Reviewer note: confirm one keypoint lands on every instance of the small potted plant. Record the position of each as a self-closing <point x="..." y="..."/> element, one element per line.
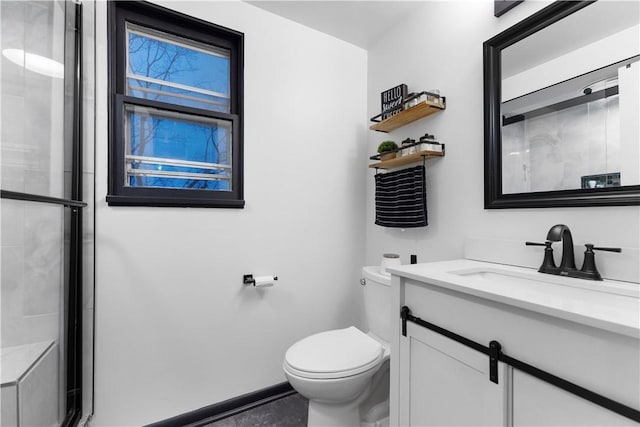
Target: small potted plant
<point x="387" y="150"/>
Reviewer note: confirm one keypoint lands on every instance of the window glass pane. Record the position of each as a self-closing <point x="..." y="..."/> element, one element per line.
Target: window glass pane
<point x="167" y="68"/>
<point x="174" y="150"/>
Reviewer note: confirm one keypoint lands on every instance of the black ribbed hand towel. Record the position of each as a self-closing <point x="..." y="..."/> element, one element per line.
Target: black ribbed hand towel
<point x="401" y="198"/>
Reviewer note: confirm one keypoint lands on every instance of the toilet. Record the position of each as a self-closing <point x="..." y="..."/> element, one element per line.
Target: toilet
<point x="345" y="372"/>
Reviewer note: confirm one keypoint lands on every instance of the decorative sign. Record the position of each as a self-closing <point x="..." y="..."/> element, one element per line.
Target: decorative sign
<point x="392" y="100"/>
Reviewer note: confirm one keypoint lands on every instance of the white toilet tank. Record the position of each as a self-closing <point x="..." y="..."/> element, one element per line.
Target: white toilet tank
<point x="377" y="301"/>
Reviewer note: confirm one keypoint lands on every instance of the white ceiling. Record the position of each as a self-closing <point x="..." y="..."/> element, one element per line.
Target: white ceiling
<point x="356" y="22"/>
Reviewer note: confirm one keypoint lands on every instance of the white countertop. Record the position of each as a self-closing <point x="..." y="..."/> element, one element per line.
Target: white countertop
<point x="610" y="305"/>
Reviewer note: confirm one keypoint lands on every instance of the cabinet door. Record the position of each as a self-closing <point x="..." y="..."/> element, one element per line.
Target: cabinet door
<point x="445" y="383"/>
<point x="538" y="403"/>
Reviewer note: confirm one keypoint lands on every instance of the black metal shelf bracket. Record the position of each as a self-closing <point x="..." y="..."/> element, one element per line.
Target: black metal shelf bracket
<point x="494" y="351"/>
<point x="378" y="118"/>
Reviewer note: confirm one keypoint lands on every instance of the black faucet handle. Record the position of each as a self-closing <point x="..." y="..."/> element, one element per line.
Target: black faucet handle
<point x="548" y="264"/>
<point x="547" y="243"/>
<point x="603" y="249"/>
<point x="589" y="265"/>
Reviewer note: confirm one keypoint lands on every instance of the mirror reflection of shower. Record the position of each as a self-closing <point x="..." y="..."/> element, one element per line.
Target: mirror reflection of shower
<point x="568" y="135"/>
<point x="570" y="103"/>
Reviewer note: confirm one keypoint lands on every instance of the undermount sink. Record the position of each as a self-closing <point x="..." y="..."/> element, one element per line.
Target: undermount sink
<point x="500" y="276"/>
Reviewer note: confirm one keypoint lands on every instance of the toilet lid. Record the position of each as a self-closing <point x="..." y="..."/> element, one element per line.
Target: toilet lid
<point x="334" y="354"/>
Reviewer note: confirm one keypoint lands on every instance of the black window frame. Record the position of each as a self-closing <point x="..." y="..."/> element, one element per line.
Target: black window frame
<point x="158" y="18"/>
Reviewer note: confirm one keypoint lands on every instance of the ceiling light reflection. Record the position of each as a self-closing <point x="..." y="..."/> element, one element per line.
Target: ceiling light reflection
<point x="36" y="63"/>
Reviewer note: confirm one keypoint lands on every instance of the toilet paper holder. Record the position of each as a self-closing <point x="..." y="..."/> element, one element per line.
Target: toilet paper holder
<point x="248" y="279"/>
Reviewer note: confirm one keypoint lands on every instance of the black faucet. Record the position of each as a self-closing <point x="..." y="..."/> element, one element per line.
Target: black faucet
<point x="561" y="232"/>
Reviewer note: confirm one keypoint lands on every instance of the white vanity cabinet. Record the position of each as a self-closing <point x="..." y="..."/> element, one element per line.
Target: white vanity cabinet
<point x="437" y="381"/>
<point x="537" y="403"/>
<point x="432" y="365"/>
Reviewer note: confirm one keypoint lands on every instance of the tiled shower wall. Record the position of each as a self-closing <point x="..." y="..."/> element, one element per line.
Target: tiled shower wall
<point x="553" y="151"/>
<point x="32" y="162"/>
<point x="32" y="254"/>
<point x="33" y="234"/>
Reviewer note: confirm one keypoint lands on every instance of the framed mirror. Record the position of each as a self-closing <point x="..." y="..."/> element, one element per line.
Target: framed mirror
<point x="562" y="108"/>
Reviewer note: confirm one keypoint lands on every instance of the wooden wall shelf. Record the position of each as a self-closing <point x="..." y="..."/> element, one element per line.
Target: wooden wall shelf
<point x="418" y="111"/>
<point x="406" y="160"/>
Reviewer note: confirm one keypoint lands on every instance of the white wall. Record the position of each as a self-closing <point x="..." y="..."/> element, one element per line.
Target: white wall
<point x="175" y="328"/>
<point x="440" y="46"/>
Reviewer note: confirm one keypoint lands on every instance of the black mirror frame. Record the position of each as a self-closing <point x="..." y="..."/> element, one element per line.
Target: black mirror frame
<point x="493" y="196"/>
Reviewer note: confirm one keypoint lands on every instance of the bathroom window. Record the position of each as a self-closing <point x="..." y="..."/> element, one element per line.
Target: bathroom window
<point x="176" y="109"/>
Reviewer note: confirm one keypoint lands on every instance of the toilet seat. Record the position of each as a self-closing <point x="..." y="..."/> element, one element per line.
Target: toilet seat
<point x="333" y="354"/>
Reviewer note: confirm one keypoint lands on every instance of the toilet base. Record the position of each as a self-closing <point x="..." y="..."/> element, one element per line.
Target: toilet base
<point x="329" y="415"/>
<point x="370" y="409"/>
<point x="326" y="415"/>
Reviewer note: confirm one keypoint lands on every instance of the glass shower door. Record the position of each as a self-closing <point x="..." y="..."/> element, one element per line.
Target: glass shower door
<point x="40" y="212"/>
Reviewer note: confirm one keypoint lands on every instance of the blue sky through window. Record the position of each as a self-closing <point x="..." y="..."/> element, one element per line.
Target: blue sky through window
<point x="177" y="146"/>
<point x="171" y="70"/>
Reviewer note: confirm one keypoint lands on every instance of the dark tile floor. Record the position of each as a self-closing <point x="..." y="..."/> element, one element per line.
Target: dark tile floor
<point x="290" y="411"/>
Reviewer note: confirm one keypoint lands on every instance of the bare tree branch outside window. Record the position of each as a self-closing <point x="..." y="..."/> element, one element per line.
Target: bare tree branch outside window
<point x="169" y="72"/>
